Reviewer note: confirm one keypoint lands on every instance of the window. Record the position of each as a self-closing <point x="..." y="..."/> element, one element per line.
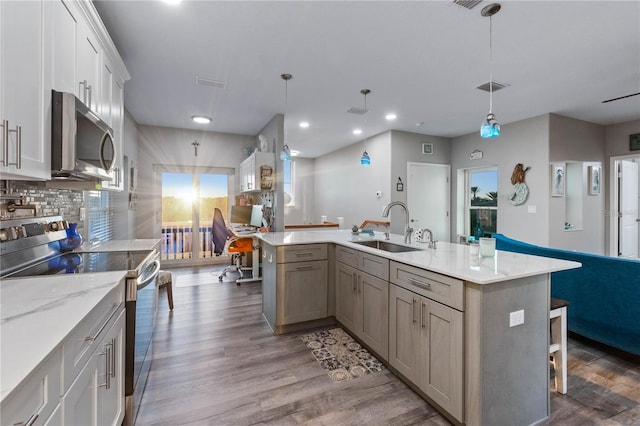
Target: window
<point x="287" y="182"/>
<point x="482" y="201"/>
<point x="99" y="217"/>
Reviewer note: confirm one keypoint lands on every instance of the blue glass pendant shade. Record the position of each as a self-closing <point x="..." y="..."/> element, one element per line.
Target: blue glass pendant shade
<point x="365" y="160"/>
<point x="285" y="154"/>
<point x="490" y="127"/>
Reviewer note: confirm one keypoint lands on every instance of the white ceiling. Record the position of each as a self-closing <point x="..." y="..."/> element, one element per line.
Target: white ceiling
<point x="421" y="59"/>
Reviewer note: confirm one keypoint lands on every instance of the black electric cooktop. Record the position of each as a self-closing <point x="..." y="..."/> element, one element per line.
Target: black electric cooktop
<point x="78" y="263"/>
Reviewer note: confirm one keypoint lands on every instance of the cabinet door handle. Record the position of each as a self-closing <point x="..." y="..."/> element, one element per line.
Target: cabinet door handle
<point x="89" y="90"/>
<point x="423" y="285"/>
<point x="107" y="363"/>
<point x="114" y="354"/>
<point x="29" y="422"/>
<point x="422" y="314"/>
<point x="354" y="281"/>
<point x="413" y="311"/>
<point x="5" y="143"/>
<point x="18" y="132"/>
<point x="82" y="89"/>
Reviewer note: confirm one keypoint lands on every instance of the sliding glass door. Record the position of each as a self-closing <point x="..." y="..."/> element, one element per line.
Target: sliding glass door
<point x="189" y="196"/>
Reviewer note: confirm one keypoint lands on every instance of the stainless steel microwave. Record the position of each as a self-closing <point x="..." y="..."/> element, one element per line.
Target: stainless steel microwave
<point x="82" y="146"/>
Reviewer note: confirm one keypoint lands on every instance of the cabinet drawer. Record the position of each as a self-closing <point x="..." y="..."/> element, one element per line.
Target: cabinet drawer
<point x="440" y="288"/>
<point x="38" y="396"/>
<point x="302" y="253"/>
<point x="374" y="265"/>
<point x="347" y="256"/>
<point x="80" y="344"/>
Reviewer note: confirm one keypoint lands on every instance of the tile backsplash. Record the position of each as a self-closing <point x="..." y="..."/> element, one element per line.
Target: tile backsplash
<point x="46" y="201"/>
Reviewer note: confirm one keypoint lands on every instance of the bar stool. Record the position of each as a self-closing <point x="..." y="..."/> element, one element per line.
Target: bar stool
<point x="165" y="279"/>
<point x="558" y="344"/>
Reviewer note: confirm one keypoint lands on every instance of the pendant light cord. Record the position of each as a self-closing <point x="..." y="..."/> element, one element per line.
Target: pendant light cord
<point x="490" y="64"/>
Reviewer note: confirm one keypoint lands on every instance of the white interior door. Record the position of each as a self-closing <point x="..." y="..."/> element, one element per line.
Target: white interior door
<point x="629" y="215"/>
<point x="428" y="198"/>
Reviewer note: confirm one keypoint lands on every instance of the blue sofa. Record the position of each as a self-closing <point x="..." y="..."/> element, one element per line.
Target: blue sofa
<point x="604" y="294"/>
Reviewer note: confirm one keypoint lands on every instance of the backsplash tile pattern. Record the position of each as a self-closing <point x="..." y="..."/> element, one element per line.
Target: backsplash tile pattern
<point x="47" y="201"/>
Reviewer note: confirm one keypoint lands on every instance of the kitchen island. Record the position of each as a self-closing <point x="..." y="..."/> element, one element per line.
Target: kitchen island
<point x="469" y="334"/>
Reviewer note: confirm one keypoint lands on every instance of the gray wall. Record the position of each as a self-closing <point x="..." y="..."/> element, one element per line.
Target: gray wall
<point x="405" y="147"/>
<point x="168" y="146"/>
<point x="525" y="142"/>
<point x="345" y="188"/>
<point x="304" y="210"/>
<point x="583" y="143"/>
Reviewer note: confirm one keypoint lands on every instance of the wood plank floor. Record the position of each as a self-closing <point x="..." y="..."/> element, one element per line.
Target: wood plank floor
<point x="216" y="362"/>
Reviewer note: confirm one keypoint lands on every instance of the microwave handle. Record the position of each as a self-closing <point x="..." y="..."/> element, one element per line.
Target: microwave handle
<point x="103" y="141"/>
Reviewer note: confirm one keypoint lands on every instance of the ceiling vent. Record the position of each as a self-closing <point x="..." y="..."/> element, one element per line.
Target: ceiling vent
<point x="467" y="4"/>
<point x="357" y="110"/>
<point x="210" y="82"/>
<point x="496" y="86"/>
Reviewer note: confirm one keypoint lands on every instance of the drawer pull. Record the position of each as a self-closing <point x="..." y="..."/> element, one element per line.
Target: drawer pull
<point x="304" y="267"/>
<point x="95" y="336"/>
<point x="423" y="285"/>
<point x="304" y="253"/>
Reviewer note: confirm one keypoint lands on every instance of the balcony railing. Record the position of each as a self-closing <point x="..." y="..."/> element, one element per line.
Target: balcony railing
<point x="177" y="242"/>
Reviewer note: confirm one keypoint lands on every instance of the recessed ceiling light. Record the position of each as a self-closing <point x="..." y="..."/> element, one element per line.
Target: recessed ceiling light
<point x="390" y="116"/>
<point x="294" y="153"/>
<point x="357" y="132"/>
<point x="420" y="123"/>
<point x="201" y="119"/>
<point x="304" y="124"/>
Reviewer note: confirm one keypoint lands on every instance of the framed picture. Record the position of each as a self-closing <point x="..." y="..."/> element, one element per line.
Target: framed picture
<point x="595" y="176"/>
<point x="427" y="148"/>
<point x="558" y="179"/>
<point x="634" y="142"/>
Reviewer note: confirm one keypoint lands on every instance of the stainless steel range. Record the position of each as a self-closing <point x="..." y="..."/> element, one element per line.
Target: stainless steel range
<point x="29" y="247"/>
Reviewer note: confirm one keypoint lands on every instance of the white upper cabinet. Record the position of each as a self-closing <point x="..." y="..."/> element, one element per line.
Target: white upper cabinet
<point x="25" y="148"/>
<point x="88" y="67"/>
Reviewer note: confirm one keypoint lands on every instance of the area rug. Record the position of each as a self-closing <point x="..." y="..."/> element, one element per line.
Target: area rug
<point x="341" y="357"/>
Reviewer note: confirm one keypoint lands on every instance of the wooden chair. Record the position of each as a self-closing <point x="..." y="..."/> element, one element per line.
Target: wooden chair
<point x="165" y="279"/>
<point x="558" y="344"/>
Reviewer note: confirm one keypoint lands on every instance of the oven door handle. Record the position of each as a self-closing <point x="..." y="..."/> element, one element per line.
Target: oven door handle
<point x="142" y="282"/>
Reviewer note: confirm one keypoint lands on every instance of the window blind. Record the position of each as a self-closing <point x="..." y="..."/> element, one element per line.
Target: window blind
<point x="100" y="223"/>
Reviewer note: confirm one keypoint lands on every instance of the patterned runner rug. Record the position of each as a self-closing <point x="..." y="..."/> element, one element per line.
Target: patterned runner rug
<point x="341" y="357"/>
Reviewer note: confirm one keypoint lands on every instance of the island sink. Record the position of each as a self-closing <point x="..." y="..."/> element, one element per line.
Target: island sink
<point x="386" y="246"/>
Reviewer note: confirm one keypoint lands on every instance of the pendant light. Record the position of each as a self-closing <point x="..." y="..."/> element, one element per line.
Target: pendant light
<point x="285" y="154"/>
<point x="490" y="127"/>
<point x="365" y="160"/>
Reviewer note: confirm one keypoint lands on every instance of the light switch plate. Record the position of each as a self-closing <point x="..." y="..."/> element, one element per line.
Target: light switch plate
<point x="531" y="209"/>
<point x="516" y="318"/>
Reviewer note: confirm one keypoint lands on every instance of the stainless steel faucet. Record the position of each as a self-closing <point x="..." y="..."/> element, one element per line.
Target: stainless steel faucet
<point x="407" y="229"/>
<point x="432" y="243"/>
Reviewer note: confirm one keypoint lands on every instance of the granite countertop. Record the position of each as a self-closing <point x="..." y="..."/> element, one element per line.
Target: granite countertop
<point x="449" y="259"/>
<point x="38" y="313"/>
<point x="121" y="245"/>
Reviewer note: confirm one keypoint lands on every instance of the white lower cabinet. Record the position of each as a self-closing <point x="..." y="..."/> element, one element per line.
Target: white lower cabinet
<point x="426" y="346"/>
<point x="362" y="299"/>
<point x="96" y="397"/>
<point x="38" y="398"/>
